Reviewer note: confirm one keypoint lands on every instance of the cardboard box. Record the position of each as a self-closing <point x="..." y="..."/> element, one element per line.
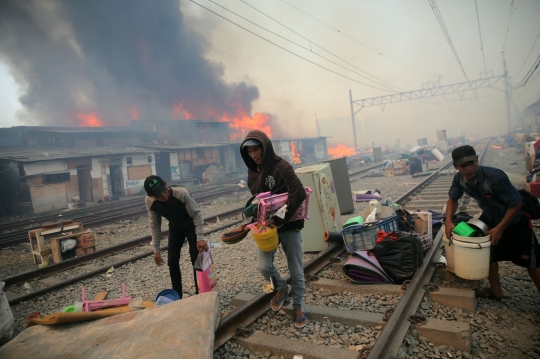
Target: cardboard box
<point x="389" y="172"/>
<point x="423" y="222"/>
<point x="86" y="240"/>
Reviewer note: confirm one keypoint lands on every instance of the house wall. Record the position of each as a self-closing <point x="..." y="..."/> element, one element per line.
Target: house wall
<point x="139" y="170"/>
<point x="9" y="187"/>
<point x="175" y="170"/>
<point x="47" y="197"/>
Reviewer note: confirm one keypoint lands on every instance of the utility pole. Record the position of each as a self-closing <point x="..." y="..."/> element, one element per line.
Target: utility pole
<point x="507" y="93"/>
<point x="353" y="124"/>
<point x="318" y="128"/>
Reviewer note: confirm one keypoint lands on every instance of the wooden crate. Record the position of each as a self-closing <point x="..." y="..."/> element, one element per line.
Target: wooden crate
<point x="45" y="242"/>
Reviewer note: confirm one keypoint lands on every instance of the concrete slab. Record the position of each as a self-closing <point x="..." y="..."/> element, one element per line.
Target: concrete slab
<point x="146" y="248"/>
<point x="182" y="329"/>
<point x="50" y="281"/>
<point x="287" y="348"/>
<point x="463" y="299"/>
<point x="439" y="332"/>
<point x="89" y="267"/>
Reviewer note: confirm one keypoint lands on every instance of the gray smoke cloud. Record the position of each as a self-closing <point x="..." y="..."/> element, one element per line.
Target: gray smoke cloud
<point x="113" y="58"/>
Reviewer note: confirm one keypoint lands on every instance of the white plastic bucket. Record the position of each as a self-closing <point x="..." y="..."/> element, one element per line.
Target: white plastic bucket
<point x="471" y="239"/>
<point x="471" y="260"/>
<point x="449" y="253"/>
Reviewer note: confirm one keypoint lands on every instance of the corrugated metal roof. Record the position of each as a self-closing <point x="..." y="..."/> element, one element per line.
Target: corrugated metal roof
<point x="50" y="154"/>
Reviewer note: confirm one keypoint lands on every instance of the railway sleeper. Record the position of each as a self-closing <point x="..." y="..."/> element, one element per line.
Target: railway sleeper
<point x="440" y="332"/>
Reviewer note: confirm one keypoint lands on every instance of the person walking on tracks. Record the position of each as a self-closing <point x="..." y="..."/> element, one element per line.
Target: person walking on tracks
<point x="512" y="237"/>
<point x="268" y="172"/>
<point x="185" y="222"/>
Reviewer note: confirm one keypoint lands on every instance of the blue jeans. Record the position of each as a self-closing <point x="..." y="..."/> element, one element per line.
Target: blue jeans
<point x="291" y="243"/>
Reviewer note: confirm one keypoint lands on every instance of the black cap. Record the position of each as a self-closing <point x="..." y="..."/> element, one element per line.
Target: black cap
<point x="251" y="142"/>
<point x="154" y="186"/>
<point x="464" y="154"/>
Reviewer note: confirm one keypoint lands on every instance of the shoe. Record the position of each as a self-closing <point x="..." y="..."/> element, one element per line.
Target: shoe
<point x="487" y="293"/>
<point x="297" y="321"/>
<point x="279" y="302"/>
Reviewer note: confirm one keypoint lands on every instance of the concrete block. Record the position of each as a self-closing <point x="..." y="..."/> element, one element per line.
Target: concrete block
<point x="443" y="332"/>
<point x="463" y="299"/>
<point x="182" y="329"/>
<point x="287" y="348"/>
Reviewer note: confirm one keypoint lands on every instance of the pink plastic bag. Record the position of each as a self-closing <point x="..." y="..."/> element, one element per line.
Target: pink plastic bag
<point x="206" y="272"/>
<point x="270" y="204"/>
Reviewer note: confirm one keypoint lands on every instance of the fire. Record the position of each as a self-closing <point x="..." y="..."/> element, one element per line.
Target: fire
<point x="90" y="119"/>
<point x="244" y="123"/>
<point x="296" y="156"/>
<point x="341" y="151"/>
<point x="179" y="112"/>
<point x="134" y="114"/>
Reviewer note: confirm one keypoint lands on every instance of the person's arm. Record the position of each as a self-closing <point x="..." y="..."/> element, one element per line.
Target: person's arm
<point x="511" y="213"/>
<point x="155" y="230"/>
<point x="194" y="212"/>
<point x="451" y="206"/>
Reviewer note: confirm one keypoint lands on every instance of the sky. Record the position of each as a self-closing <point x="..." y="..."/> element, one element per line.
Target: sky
<point x="299" y="74"/>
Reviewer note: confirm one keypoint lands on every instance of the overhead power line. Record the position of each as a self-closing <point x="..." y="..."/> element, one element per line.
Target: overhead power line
<point x="357" y="41"/>
<point x="480" y="33"/>
<point x="287" y="50"/>
<point x="508" y="26"/>
<point x="380" y="82"/>
<point x="529" y="74"/>
<point x="530" y="52"/>
<point x="440" y="19"/>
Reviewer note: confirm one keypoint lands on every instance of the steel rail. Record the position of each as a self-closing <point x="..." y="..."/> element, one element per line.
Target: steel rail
<point x="393" y="333"/>
<point x="75" y="262"/>
<point x="249" y="312"/>
<point x="89" y="274"/>
<point x="104" y="218"/>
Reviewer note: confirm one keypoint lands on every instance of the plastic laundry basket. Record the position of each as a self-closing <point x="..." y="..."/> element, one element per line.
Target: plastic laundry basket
<point x="267" y="241"/>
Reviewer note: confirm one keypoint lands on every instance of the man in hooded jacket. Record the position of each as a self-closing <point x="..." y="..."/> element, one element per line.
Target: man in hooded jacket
<point x="268" y="172"/>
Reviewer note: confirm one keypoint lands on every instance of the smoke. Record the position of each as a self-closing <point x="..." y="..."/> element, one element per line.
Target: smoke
<point x="111" y="61"/>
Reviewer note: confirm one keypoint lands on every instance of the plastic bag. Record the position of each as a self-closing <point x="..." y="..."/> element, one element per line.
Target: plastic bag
<point x="6" y="317"/>
<point x="206" y="273"/>
<point x="68" y="244"/>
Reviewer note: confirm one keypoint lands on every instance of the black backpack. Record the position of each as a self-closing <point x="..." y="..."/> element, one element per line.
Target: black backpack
<point x="405" y="220"/>
<point x="531" y="206"/>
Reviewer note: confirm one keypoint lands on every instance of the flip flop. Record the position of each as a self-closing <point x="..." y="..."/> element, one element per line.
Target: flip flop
<point x="487" y="293"/>
<point x="297" y="321"/>
<point x="279" y="302"/>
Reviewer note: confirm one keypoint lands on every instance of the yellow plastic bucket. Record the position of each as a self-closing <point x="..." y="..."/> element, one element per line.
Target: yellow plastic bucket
<point x="267" y="241"/>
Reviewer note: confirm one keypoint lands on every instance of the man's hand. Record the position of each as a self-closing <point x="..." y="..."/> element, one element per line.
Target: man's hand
<point x="157" y="259"/>
<point x="202" y="245"/>
<point x="448" y="228"/>
<point x="496" y="235"/>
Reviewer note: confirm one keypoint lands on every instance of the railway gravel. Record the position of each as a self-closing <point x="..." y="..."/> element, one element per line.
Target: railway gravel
<point x="508" y="329"/>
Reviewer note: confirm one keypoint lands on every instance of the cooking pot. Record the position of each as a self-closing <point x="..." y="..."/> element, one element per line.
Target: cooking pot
<point x="480" y="227"/>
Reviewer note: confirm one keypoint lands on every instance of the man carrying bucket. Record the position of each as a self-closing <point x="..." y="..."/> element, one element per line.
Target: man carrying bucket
<point x="185" y="222"/>
<point x="268" y="172"/>
<point x="512" y="237"/>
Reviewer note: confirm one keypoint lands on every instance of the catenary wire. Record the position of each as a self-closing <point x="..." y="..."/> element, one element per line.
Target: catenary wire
<point x="529" y="74"/>
<point x="530" y="52"/>
<point x="357" y="41"/>
<point x="289" y="51"/>
<point x="440" y="19"/>
<point x="508" y="26"/>
<point x="480" y="33"/>
<point x="381" y="83"/>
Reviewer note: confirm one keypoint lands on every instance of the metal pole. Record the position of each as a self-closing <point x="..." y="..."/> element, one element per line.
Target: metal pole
<point x="352" y="117"/>
<point x="507" y="94"/>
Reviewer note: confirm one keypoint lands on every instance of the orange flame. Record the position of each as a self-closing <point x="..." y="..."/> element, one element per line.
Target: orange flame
<point x="90" y="119"/>
<point x="134" y="114"/>
<point x="179" y="112"/>
<point x="295" y="155"/>
<point x="244" y="123"/>
<point x="341" y="151"/>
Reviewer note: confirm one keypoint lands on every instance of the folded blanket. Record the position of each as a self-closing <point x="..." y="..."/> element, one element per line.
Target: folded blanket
<point x="364" y="269"/>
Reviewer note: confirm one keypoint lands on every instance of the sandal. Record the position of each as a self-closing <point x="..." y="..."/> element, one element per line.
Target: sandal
<point x="487" y="293"/>
<point x="279" y="302"/>
<point x="297" y="321"/>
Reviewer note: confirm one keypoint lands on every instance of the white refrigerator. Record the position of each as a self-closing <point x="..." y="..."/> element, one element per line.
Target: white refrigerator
<point x="323" y="209"/>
